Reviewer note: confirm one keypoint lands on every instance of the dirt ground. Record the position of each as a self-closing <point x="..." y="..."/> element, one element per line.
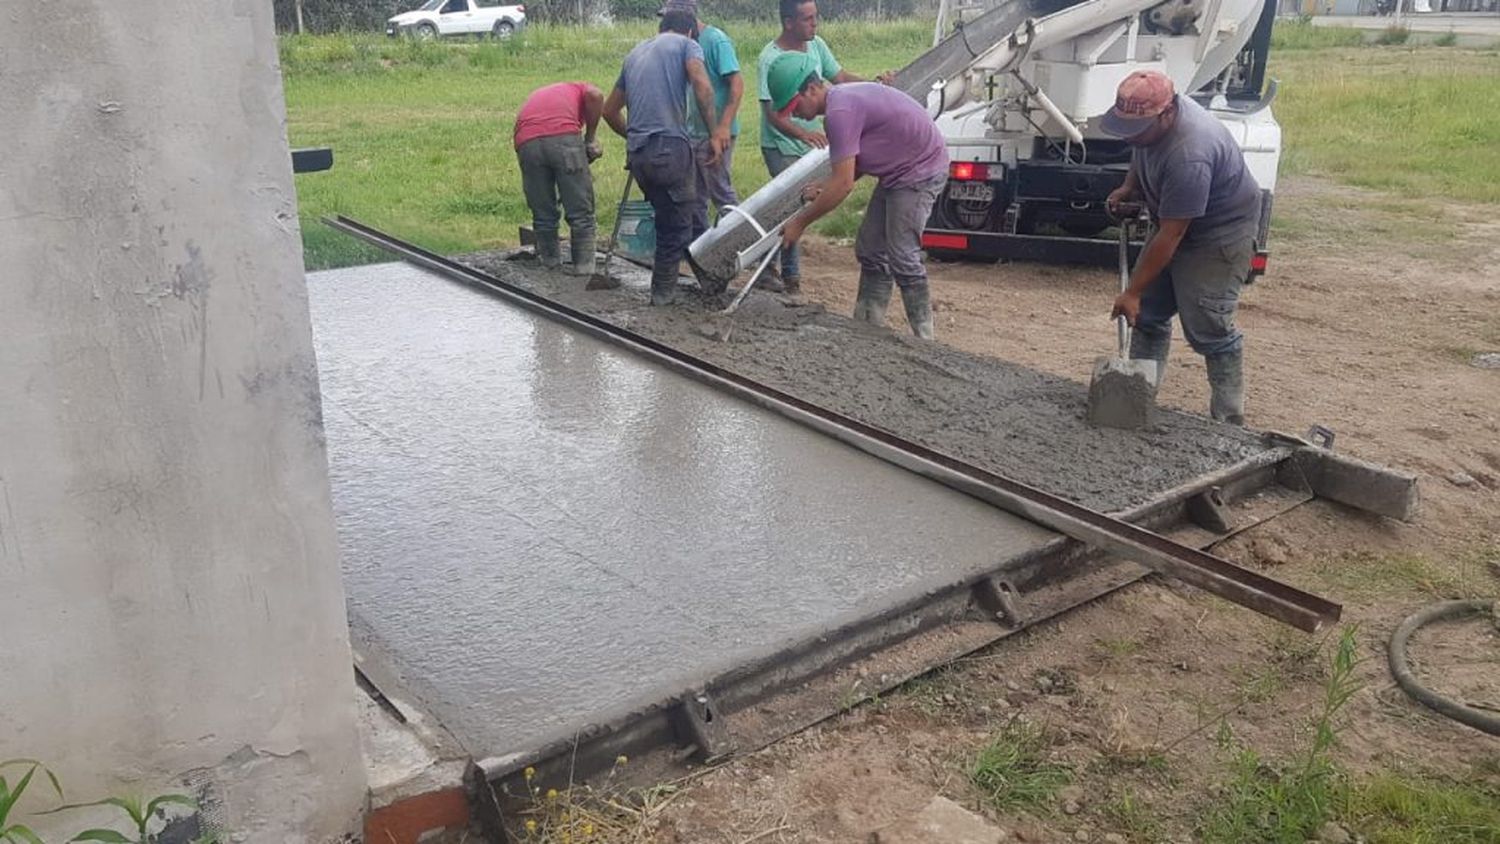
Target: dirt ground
<point x="1370" y="323"/>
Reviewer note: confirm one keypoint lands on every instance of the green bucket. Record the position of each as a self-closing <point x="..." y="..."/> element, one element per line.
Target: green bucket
<point x="637" y="231"/>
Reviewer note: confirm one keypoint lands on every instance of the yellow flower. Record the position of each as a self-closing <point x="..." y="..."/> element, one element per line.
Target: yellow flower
<point x="531" y="826"/>
<point x="530" y="772"/>
<point x="551" y="794"/>
<point x="588" y="829"/>
<point x="622" y="759"/>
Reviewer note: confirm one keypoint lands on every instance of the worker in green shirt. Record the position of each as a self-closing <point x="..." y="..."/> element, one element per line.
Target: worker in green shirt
<point x="784" y="139"/>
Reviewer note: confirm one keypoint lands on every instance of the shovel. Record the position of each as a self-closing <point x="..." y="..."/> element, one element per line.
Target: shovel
<point x="601" y="279"/>
<point x="1122" y="392"/>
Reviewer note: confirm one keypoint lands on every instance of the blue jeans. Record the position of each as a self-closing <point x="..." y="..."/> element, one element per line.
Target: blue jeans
<point x="777" y="161"/>
<point x="663" y="167"/>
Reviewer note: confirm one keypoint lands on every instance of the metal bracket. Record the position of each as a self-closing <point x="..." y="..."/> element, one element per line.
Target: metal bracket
<point x="1321" y="437"/>
<point x="705" y="728"/>
<point x="485" y="805"/>
<point x="1207" y="510"/>
<point x="998" y="600"/>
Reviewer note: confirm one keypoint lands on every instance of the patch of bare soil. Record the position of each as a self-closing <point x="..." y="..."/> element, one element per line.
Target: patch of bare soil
<point x="1142" y="693"/>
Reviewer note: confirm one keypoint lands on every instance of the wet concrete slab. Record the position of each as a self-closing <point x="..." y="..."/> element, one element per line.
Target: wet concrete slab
<point x="541" y="531"/>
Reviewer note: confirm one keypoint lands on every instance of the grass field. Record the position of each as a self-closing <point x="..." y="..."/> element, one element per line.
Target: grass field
<point x="420" y="131"/>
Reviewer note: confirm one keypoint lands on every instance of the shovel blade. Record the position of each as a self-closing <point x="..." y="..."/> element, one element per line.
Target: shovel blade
<point x="1122" y="393"/>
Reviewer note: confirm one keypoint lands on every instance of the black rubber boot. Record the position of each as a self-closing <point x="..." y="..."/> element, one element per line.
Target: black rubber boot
<point x="873" y="298"/>
<point x="547" y="250"/>
<point x="917" y="299"/>
<point x="1226" y="378"/>
<point x="584" y="256"/>
<point x="663" y="288"/>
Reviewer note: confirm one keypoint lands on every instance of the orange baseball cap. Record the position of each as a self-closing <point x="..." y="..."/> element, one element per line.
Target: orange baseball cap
<point x="1140" y="99"/>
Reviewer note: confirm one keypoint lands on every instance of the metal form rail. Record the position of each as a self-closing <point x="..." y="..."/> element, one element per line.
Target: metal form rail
<point x="1218" y="576"/>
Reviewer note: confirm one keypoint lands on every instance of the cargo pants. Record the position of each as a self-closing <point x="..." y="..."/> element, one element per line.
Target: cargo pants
<point x="663" y="167"/>
<point x="1201" y="286"/>
<point x="553" y="168"/>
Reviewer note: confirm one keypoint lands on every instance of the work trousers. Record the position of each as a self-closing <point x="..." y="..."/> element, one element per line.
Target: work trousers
<point x="777" y="161"/>
<point x="889" y="243"/>
<point x="553" y="168"/>
<point x="663" y="167"/>
<point x="1201" y="286"/>
<point x="713" y="185"/>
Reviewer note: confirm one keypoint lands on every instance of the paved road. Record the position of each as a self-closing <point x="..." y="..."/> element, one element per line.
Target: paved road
<point x="1481" y="27"/>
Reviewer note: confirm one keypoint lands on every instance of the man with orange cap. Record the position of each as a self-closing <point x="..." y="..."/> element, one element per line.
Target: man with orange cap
<point x="1205" y="207"/>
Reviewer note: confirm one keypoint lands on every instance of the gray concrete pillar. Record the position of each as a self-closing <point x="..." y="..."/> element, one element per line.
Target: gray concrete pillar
<point x="170" y="603"/>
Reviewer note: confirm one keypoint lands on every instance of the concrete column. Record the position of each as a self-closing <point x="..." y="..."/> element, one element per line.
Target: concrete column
<point x="171" y="614"/>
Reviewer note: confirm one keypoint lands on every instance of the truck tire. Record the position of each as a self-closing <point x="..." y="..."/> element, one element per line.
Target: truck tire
<point x="503" y="30"/>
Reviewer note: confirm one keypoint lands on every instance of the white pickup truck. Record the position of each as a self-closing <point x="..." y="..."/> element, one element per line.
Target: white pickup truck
<point x="459" y="17"/>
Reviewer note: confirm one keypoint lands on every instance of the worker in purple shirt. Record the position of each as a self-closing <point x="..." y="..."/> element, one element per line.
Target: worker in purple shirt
<point x="872" y="130"/>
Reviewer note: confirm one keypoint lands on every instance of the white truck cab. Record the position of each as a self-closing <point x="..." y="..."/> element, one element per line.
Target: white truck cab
<point x="459" y="17"/>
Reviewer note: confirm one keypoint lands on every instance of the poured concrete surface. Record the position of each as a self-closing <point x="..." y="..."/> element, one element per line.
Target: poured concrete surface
<point x="1008" y="418"/>
<point x="540" y="530"/>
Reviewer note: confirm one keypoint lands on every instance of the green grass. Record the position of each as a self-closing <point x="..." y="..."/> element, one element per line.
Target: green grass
<point x="1393" y="35"/>
<point x="1302" y="35"/>
<point x="421" y="130"/>
<point x="1392" y="809"/>
<point x="1421" y="122"/>
<point x="1012" y="770"/>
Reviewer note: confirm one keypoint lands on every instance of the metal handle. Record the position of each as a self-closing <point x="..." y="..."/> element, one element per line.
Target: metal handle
<point x="1122" y="326"/>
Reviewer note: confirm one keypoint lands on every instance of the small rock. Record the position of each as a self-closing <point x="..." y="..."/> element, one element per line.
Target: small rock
<point x="1012" y="685"/>
<point x="942" y="820"/>
<point x="1081" y="835"/>
<point x="1486" y="360"/>
<point x="983" y="711"/>
<point x="1331" y="833"/>
<point x="1044" y="683"/>
<point x="1002" y="703"/>
<point x="1114" y="838"/>
<point x="1070" y="807"/>
<point x="1461" y="479"/>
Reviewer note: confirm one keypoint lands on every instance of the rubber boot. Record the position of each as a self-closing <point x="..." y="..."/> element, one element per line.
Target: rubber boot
<point x="583" y="255"/>
<point x="663" y="288"/>
<point x="1144" y="346"/>
<point x="873" y="298"/>
<point x="917" y="299"/>
<point x="770" y="281"/>
<point x="1226" y="378"/>
<point x="547" y="250"/>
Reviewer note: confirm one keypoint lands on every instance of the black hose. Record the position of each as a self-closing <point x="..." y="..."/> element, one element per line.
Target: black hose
<point x="1475" y="718"/>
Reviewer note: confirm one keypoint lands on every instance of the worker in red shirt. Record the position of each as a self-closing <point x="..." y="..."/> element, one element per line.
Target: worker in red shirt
<point x="555" y="161"/>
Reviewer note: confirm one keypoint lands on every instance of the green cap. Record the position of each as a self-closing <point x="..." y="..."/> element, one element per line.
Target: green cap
<point x="785" y="76"/>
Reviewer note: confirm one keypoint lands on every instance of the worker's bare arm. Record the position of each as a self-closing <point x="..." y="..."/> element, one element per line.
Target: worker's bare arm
<point x="593" y="109"/>
<point x="703" y="91"/>
<point x="731" y="108"/>
<point x="614" y="111"/>
<point x="826" y="196"/>
<point x="1154" y="258"/>
<point x="785" y="126"/>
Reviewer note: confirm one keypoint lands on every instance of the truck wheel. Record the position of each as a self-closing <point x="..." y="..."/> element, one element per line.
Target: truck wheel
<point x="426" y="31"/>
<point x="503" y="30"/>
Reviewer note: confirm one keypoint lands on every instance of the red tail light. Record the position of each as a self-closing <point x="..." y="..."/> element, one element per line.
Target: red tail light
<point x="1258" y="262"/>
<point x="969" y="171"/>
<point x="944" y="241"/>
